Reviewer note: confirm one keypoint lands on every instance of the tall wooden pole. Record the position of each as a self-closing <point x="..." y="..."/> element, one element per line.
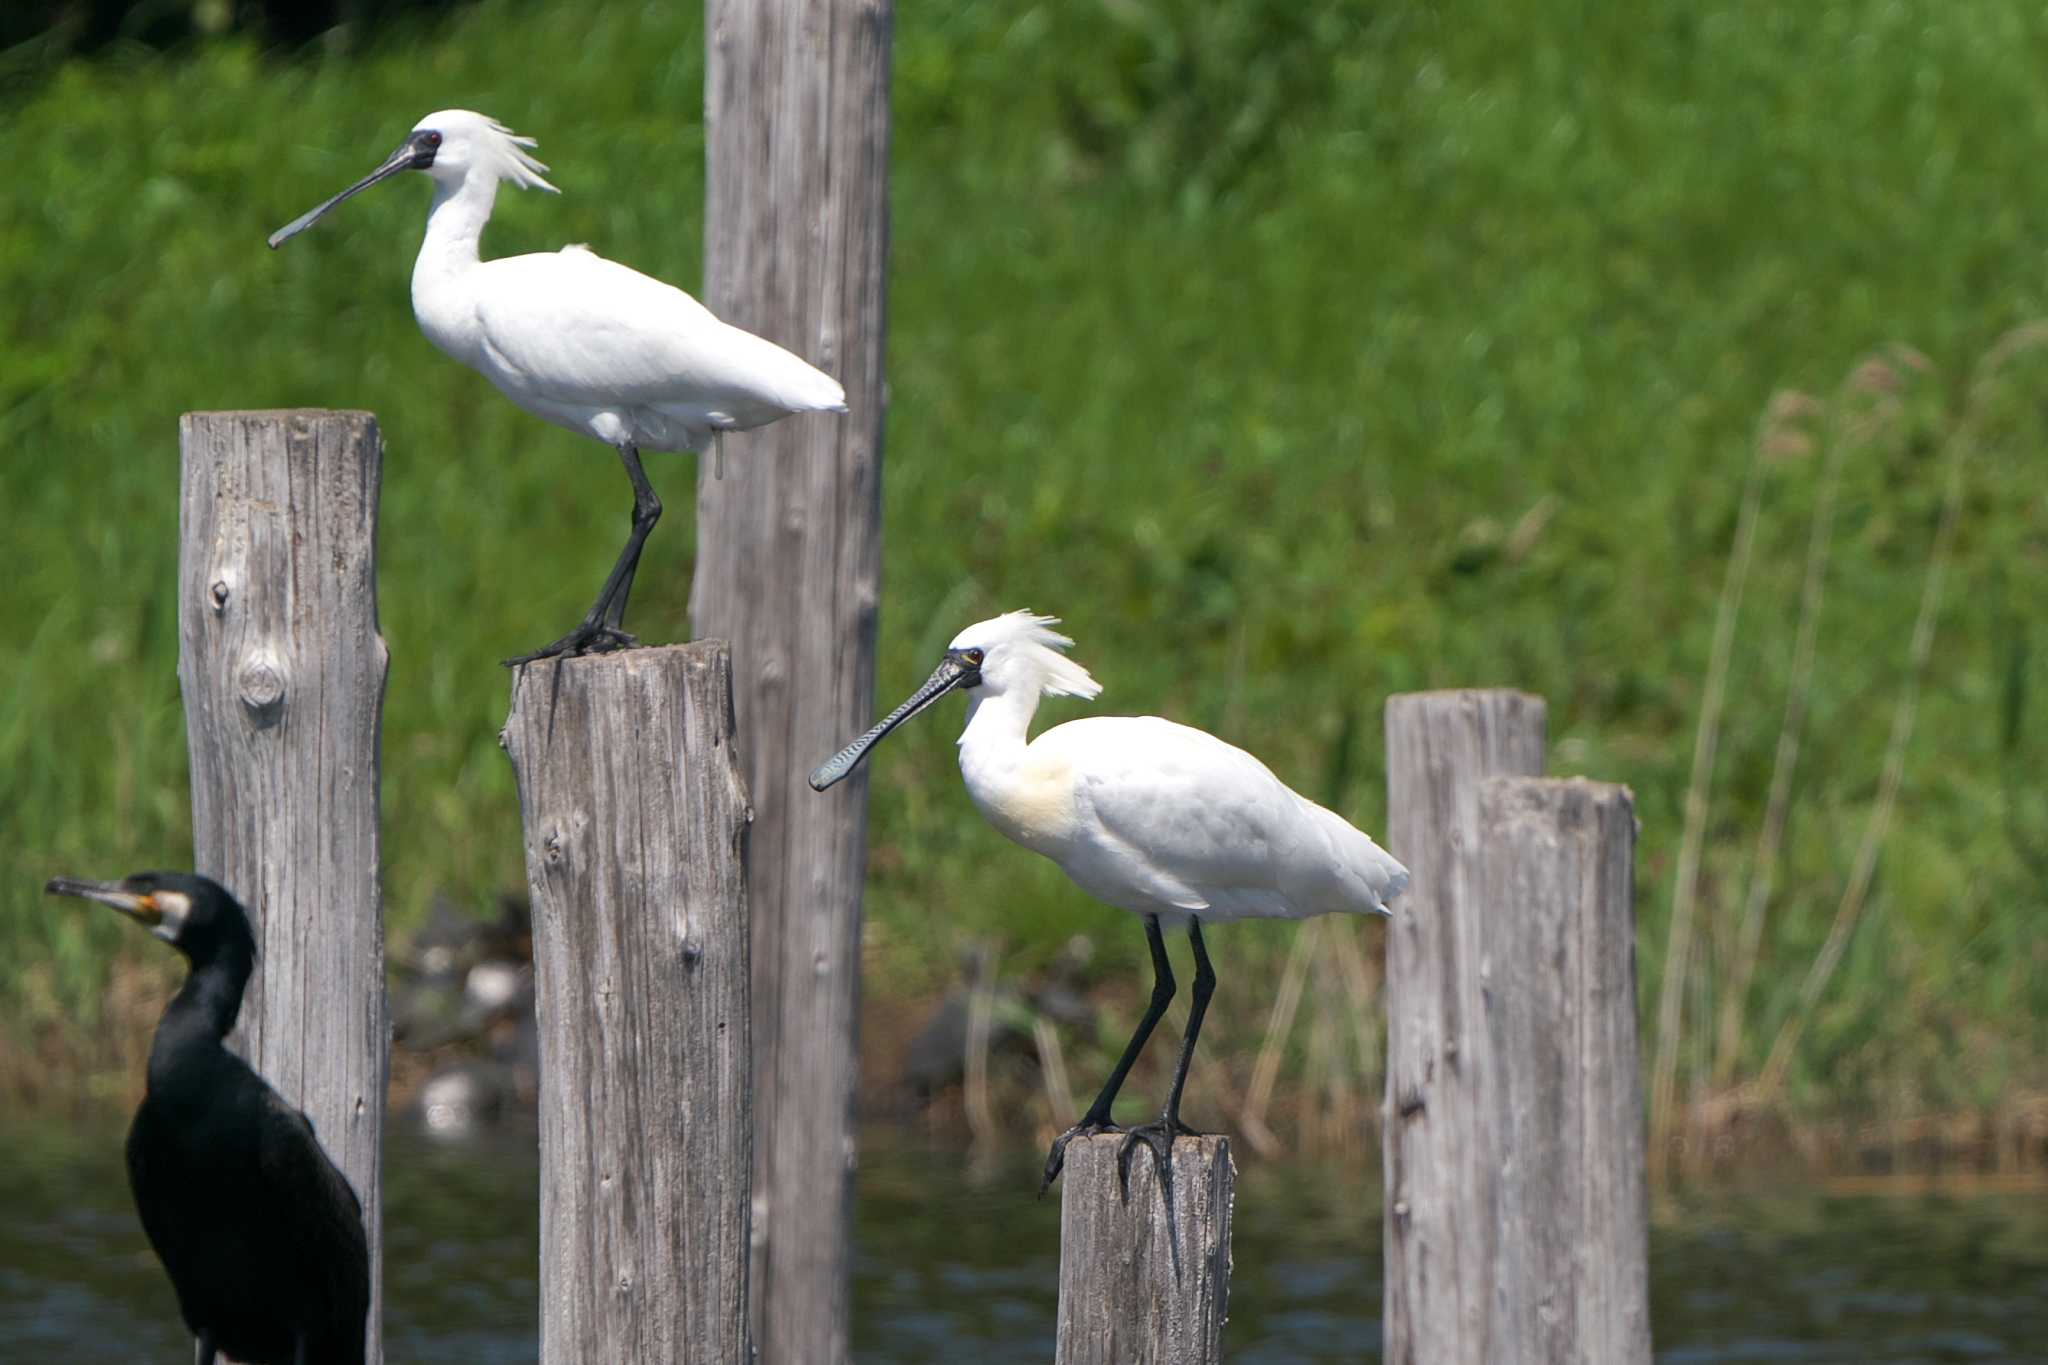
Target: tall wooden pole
<point x="1438" y="1148"/>
<point x="282" y="671"/>
<point x="636" y="826"/>
<point x="1570" y="1266"/>
<point x="796" y="107"/>
<point x="1142" y="1281"/>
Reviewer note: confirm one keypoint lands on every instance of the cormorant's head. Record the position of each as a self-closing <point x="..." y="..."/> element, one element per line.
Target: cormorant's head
<point x="193" y="914"/>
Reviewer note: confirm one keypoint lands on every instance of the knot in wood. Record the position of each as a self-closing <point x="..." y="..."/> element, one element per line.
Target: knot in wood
<point x="260" y="684"/>
<point x="551" y="848"/>
<point x="220" y="593"/>
<point x="693" y="951"/>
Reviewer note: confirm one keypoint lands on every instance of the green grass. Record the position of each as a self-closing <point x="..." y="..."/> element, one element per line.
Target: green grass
<point x="1294" y="353"/>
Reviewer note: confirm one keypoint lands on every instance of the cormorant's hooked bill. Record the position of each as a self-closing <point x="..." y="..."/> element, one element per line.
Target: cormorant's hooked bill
<point x="416" y="153"/>
<point x="962" y="668"/>
<point x="138" y="906"/>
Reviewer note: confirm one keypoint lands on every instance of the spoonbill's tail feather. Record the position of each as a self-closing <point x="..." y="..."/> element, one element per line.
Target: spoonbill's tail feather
<point x="1364" y="875"/>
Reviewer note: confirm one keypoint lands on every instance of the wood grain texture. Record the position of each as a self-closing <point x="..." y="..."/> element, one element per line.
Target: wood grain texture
<point x="1142" y="1283"/>
<point x="1570" y="1272"/>
<point x="1439" y="1147"/>
<point x="282" y="671"/>
<point x="636" y="826"/>
<point x="796" y="108"/>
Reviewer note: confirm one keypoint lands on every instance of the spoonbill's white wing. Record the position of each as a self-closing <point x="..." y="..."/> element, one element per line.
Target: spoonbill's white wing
<point x="574" y="329"/>
<point x="1171" y="818"/>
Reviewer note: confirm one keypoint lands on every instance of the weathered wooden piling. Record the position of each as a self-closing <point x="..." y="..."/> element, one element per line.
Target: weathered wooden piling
<point x="282" y="671"/>
<point x="1515" y="1209"/>
<point x="1143" y="1282"/>
<point x="1570" y="1266"/>
<point x="796" y="118"/>
<point x="1438" y="1152"/>
<point x="636" y="825"/>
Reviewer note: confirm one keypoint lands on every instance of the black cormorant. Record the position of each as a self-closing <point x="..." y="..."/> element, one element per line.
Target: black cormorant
<point x="260" y="1233"/>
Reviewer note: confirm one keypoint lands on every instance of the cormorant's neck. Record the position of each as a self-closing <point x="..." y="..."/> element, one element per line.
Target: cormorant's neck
<point x="203" y="1010"/>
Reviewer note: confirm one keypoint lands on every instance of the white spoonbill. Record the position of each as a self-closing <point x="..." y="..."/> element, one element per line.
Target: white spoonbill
<point x="584" y="342"/>
<point x="1162" y="820"/>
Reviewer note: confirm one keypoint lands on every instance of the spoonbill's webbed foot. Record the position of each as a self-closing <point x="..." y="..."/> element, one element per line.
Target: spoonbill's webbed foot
<point x="1097" y="1120"/>
<point x="1056" y="1160"/>
<point x="590" y="637"/>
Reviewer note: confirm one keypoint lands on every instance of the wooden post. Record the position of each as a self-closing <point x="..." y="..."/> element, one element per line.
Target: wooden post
<point x="796" y="111"/>
<point x="282" y="671"/>
<point x="636" y="828"/>
<point x="1439" y="1151"/>
<point x="1142" y="1283"/>
<point x="1570" y="1268"/>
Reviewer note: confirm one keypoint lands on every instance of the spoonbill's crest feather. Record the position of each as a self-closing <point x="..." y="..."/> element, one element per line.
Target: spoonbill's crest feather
<point x="496" y="147"/>
<point x="1021" y="641"/>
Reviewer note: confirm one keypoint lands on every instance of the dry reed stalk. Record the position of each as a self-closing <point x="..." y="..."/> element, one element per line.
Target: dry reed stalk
<point x="1341" y="1128"/>
<point x="1685" y="882"/>
<point x="1052" y="1068"/>
<point x="1361" y="994"/>
<point x="980" y="1018"/>
<point x="1251" y="1119"/>
<point x="1777" y="806"/>
<point x="1850" y="910"/>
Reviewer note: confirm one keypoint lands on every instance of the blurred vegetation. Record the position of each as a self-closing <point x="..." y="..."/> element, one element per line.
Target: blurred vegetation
<point x="1294" y="353"/>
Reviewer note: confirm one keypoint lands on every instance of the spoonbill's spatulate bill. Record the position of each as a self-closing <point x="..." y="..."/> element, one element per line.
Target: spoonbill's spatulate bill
<point x="261" y="1235"/>
<point x="579" y="340"/>
<point x="1162" y="820"/>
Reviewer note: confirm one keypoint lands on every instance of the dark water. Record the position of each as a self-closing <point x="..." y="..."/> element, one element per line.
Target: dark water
<point x="957" y="1261"/>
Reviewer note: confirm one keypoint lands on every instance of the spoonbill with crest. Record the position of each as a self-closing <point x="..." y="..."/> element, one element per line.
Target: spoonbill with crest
<point x="1149" y="816"/>
<point x="581" y="341"/>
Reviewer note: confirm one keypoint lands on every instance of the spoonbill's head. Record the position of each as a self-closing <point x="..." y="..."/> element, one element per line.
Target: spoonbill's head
<point x="450" y="146"/>
<point x="1014" y="652"/>
<point x="193" y="914"/>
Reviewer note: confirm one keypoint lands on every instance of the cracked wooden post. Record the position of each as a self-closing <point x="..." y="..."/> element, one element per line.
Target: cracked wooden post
<point x="282" y="671"/>
<point x="1142" y="1284"/>
<point x="1570" y="1263"/>
<point x="789" y="564"/>
<point x="636" y="825"/>
<point x="1440" y="1151"/>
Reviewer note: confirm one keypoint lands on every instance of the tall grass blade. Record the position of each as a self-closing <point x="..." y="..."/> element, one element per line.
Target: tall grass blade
<point x="1854" y="896"/>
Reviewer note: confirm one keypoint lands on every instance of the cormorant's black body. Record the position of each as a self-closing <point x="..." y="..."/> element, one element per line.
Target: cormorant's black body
<point x="261" y="1235"/>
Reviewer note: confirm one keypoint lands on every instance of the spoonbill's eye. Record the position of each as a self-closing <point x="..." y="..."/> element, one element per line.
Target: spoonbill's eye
<point x="973" y="656"/>
<point x="432" y="139"/>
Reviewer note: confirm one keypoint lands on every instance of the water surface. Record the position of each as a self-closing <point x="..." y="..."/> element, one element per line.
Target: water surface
<point x="956" y="1260"/>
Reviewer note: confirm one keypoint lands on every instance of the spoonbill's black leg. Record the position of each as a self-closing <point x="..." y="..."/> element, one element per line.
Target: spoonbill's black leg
<point x="1097" y="1120"/>
<point x="600" y="630"/>
<point x="1159" y="1134"/>
<point x="646" y="511"/>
